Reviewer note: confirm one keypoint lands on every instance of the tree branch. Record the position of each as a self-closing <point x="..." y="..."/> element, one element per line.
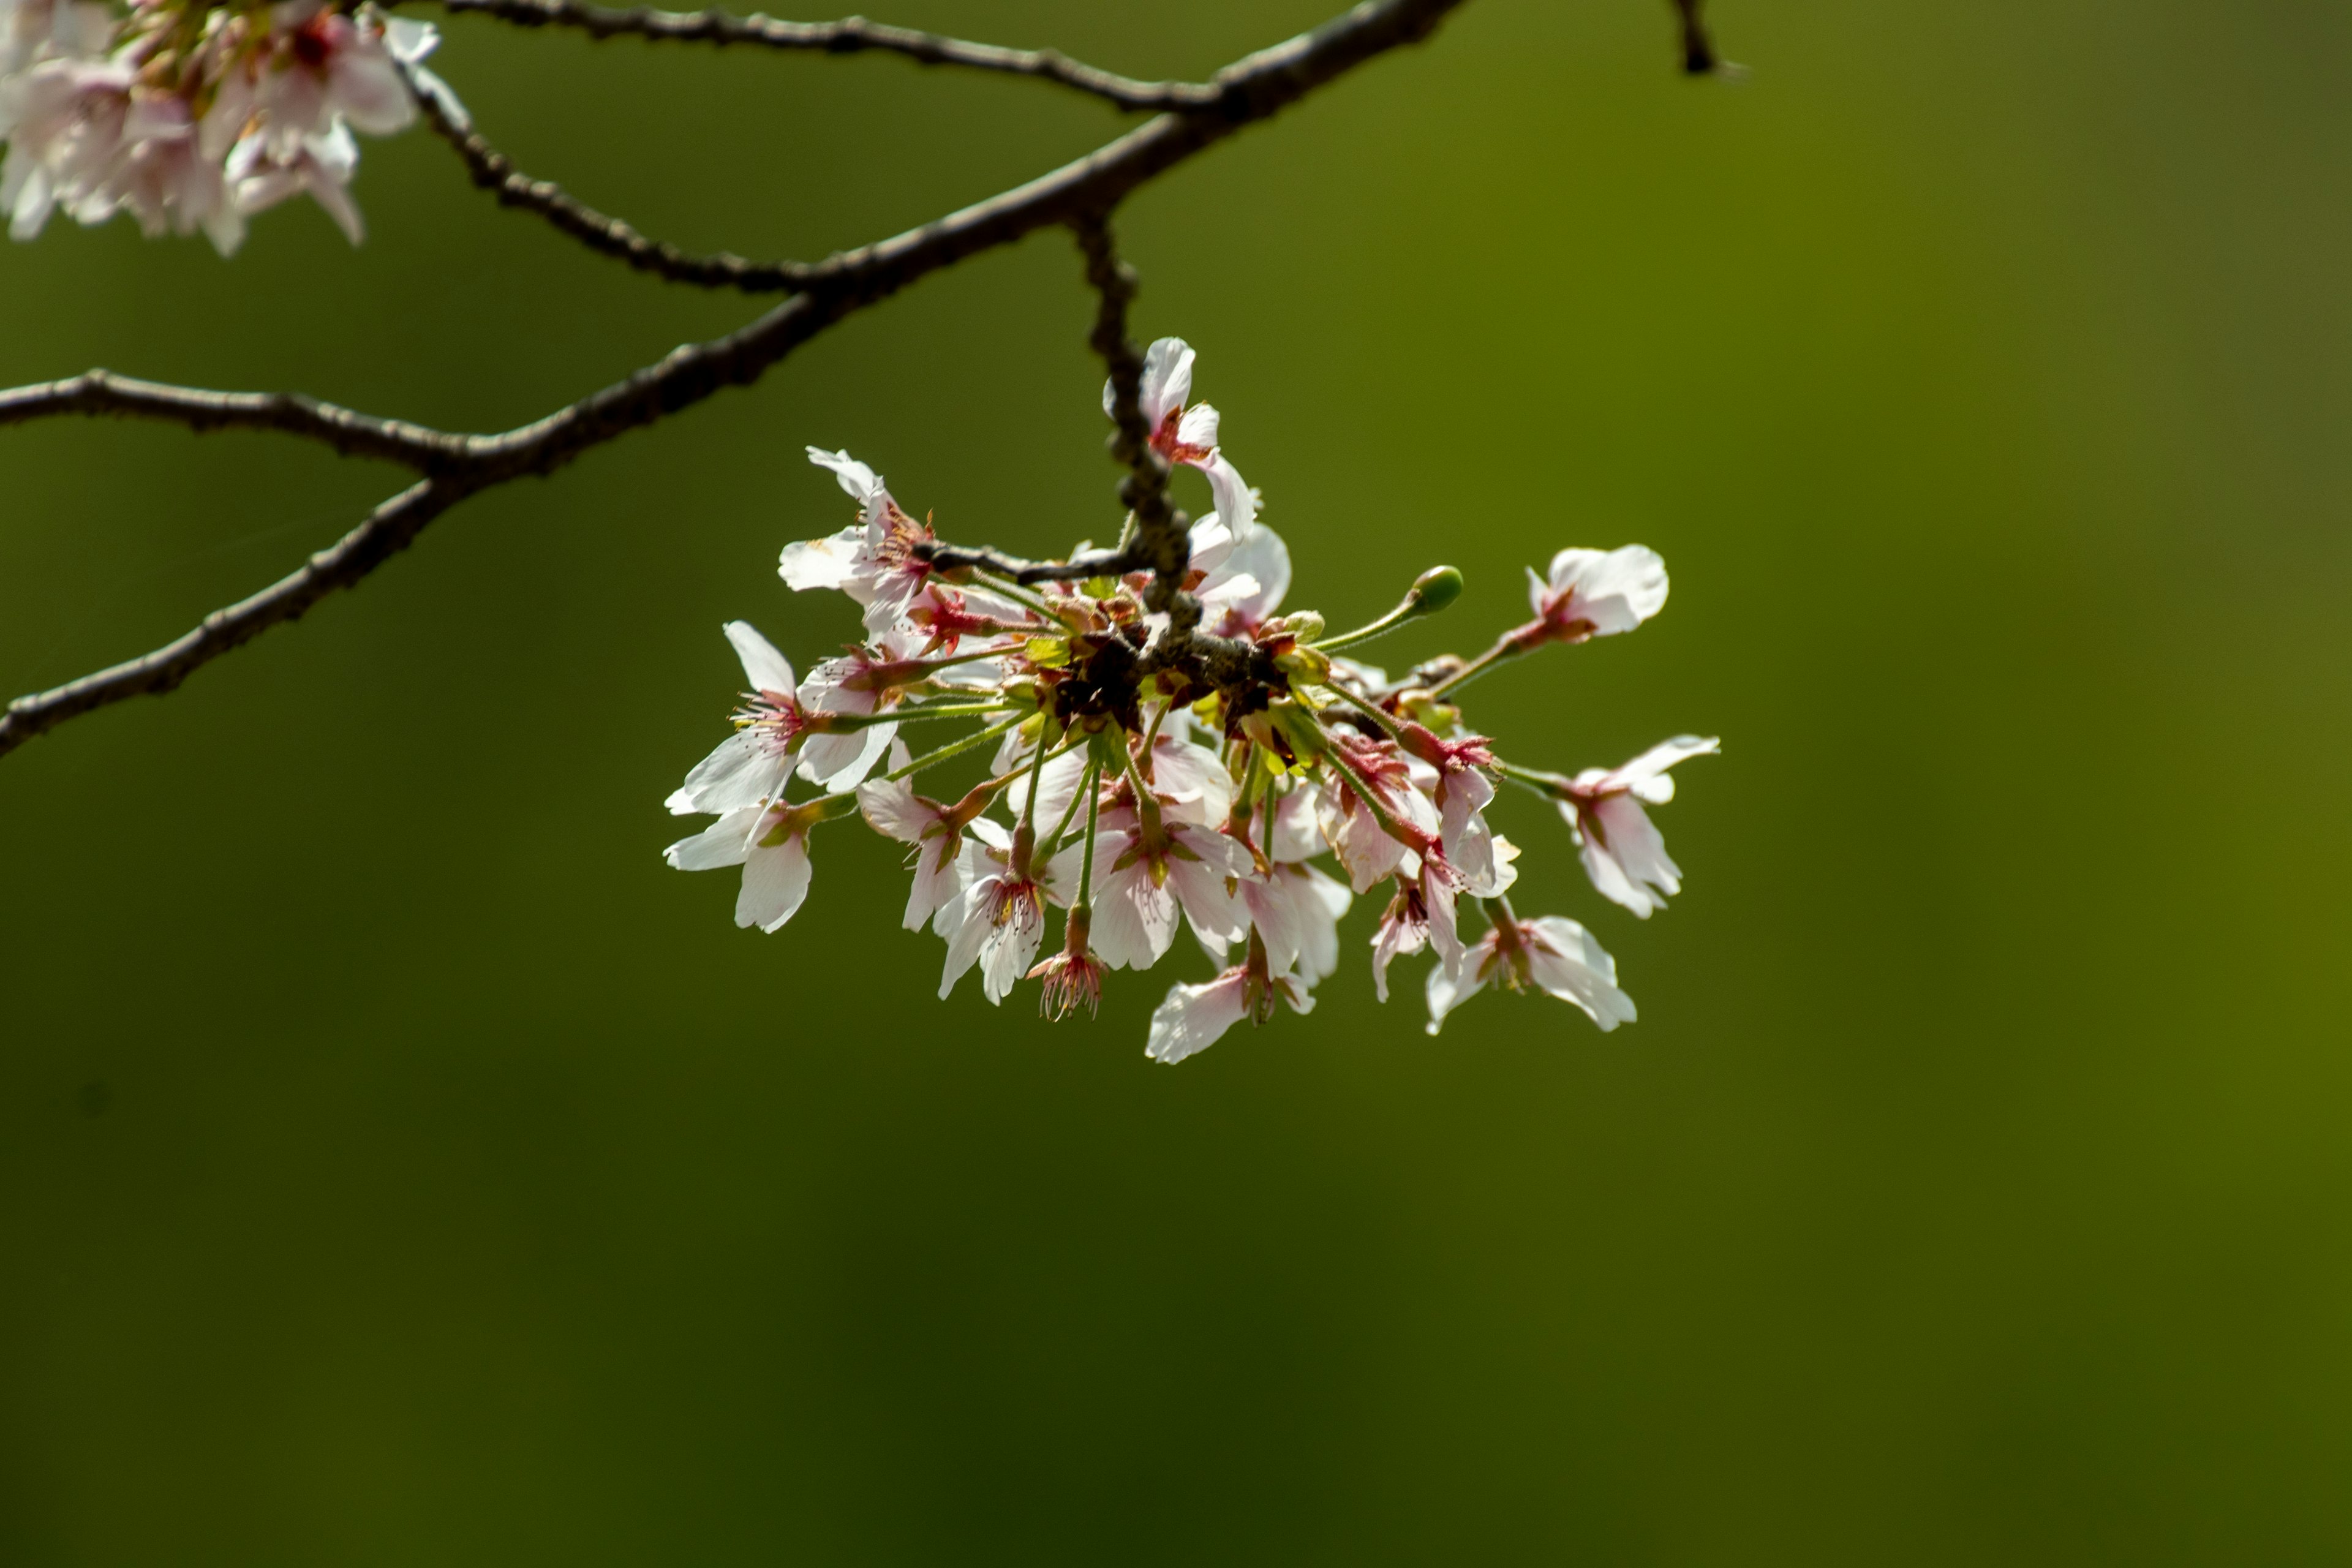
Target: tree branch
<point x="387" y="531"/>
<point x="354" y="434"/>
<point x="854" y="35"/>
<point x="492" y="171"/>
<point x="1699" y="57"/>
<point x="1253" y="89"/>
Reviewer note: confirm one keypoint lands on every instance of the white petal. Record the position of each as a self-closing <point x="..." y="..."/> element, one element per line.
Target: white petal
<point x="965" y="924"/>
<point x="1236" y="502"/>
<point x="894" y="810"/>
<point x="1632" y="842"/>
<point x="1194" y="1017"/>
<point x="410" y="40"/>
<point x="838" y="762"/>
<point x="862" y="482"/>
<point x="1566" y="962"/>
<point x="1198" y="427"/>
<point x="775" y="881"/>
<point x="740" y="770"/>
<point x="1615" y="590"/>
<point x="1167" y="380"/>
<point x="725" y="842"/>
<point x="767" y="670"/>
<point x="1446" y="993"/>
<point x="828" y="562"/>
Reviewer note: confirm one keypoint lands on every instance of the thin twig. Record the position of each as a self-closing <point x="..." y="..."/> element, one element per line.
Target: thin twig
<point x="387" y="531"/>
<point x="492" y="171"/>
<point x="1254" y="88"/>
<point x="854" y="35"/>
<point x="1699" y="57"/>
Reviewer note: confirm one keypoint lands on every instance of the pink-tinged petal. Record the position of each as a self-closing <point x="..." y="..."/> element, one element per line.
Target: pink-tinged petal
<point x="1615" y="590"/>
<point x="1618" y="831"/>
<point x="1298" y="832"/>
<point x="775" y="881"/>
<point x="1297" y="912"/>
<point x="1134" y="918"/>
<point x="938" y="881"/>
<point x="862" y="482"/>
<point x="1166" y="381"/>
<point x="1324" y="904"/>
<point x="1215" y="912"/>
<point x="1198" y="426"/>
<point x="1445" y="991"/>
<point x="1252" y="579"/>
<point x="1236" y="502"/>
<point x="1195" y="1017"/>
<point x="1443" y="937"/>
<point x="1484" y="859"/>
<point x="1646" y="774"/>
<point x="833" y="562"/>
<point x="1566" y="961"/>
<point x="1399" y="936"/>
<point x="1211" y="543"/>
<point x="725" y="842"/>
<point x="1055" y="787"/>
<point x="410" y="40"/>
<point x="763" y="667"/>
<point x="893" y="809"/>
<point x="367" y="89"/>
<point x="1608" y="879"/>
<point x="1011" y="951"/>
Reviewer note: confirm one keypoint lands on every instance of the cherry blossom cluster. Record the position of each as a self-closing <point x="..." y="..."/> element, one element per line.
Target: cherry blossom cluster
<point x="193" y="114"/>
<point x="1148" y="771"/>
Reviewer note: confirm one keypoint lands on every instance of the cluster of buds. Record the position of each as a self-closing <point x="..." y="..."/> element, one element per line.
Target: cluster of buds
<point x="1145" y="776"/>
<point x="194" y="114"/>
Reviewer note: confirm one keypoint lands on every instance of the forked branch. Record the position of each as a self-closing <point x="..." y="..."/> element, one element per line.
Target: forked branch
<point x="1081" y="194"/>
<point x="854" y="35"/>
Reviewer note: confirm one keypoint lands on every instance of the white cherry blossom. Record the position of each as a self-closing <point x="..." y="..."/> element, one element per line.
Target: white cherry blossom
<point x="1550" y="953"/>
<point x="936" y="832"/>
<point x="1189" y="436"/>
<point x="1621" y="849"/>
<point x="771" y="843"/>
<point x="1297" y="910"/>
<point x="874" y="563"/>
<point x="999" y="919"/>
<point x="1147" y="872"/>
<point x="1196" y="1017"/>
<point x="1597" y="594"/>
<point x="750" y="766"/>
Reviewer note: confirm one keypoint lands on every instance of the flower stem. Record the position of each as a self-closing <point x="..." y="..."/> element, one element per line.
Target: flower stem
<point x="1377" y="715"/>
<point x="1507" y="647"/>
<point x="943" y="710"/>
<point x="1431" y="591"/>
<point x="1087" y="867"/>
<point x="1364" y="792"/>
<point x="1052" y="841"/>
<point x="1018" y="594"/>
<point x="953" y="749"/>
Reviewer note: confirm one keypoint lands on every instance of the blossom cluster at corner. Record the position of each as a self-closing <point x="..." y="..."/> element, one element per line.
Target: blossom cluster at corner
<point x="1250" y="798"/>
<point x="192" y="116"/>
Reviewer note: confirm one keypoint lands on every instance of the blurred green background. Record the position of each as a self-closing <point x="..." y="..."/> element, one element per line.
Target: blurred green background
<point x="399" y="1164"/>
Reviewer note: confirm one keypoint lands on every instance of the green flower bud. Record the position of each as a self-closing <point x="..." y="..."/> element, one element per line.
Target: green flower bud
<point x="1433" y="590"/>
